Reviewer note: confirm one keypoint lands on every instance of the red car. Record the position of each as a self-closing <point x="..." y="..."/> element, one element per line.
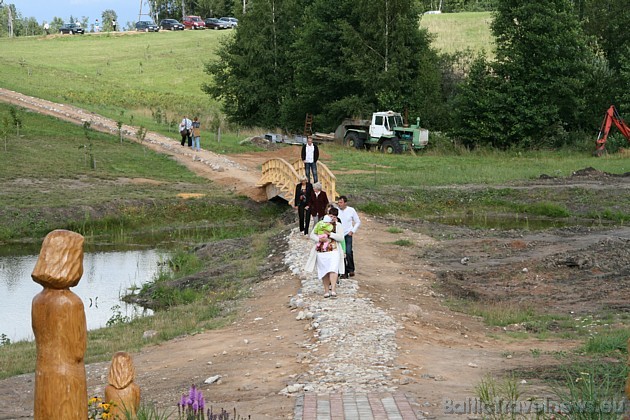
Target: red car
<point x="193" y="22"/>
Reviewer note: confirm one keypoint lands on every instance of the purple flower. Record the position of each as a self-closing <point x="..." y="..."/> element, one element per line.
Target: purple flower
<point x="202" y="403"/>
<point x="195" y="406"/>
<point x="183" y="400"/>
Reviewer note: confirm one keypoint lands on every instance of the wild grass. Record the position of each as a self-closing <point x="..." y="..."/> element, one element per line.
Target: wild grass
<point x="586" y="390"/>
<point x="460" y="31"/>
<point x="592" y="390"/>
<point x="608" y="342"/>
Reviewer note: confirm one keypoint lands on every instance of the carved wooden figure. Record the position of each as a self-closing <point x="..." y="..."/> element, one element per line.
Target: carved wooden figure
<point x="60" y="330"/>
<point x="122" y="391"/>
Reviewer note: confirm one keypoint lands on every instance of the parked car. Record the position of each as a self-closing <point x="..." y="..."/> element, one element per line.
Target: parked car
<point x="147" y="26"/>
<point x="171" y="25"/>
<point x="193" y="22"/>
<point x="214" y="23"/>
<point x="71" y="28"/>
<point x="230" y="20"/>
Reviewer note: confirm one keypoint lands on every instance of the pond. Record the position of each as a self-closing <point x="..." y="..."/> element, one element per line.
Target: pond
<point x="107" y="275"/>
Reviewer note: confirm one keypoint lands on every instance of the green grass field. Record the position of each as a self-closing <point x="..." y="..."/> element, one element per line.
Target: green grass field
<point x="460" y="31"/>
<point x="135" y="73"/>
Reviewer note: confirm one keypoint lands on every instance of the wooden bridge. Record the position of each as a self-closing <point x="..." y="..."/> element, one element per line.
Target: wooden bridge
<point x="280" y="177"/>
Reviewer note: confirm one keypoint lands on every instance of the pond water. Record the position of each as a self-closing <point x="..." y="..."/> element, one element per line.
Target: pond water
<point x="106" y="277"/>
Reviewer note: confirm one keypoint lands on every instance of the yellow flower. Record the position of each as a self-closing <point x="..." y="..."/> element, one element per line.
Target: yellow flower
<point x="106" y="407"/>
<point x="106" y="416"/>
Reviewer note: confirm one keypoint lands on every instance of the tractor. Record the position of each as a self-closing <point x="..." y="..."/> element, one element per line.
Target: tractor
<point x="385" y="132"/>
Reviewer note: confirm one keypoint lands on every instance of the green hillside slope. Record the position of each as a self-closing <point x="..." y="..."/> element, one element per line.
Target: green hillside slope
<point x="458" y="31"/>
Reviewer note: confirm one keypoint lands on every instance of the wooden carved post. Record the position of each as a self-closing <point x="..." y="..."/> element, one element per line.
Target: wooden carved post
<point x="60" y="329"/>
<point x="122" y="391"/>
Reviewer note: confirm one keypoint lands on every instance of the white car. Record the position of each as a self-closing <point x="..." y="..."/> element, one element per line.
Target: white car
<point x="230" y="20"/>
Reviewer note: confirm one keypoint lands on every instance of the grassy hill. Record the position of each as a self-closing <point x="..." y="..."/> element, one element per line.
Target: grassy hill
<point x="134" y="73"/>
<point x="459" y="31"/>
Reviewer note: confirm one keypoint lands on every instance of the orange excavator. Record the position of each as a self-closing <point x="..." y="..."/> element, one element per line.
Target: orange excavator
<point x="612" y="116"/>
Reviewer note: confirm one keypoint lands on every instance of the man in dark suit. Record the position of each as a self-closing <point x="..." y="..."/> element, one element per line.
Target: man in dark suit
<point x="303" y="192"/>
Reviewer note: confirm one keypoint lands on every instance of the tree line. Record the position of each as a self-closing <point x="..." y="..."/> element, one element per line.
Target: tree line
<point x="558" y="65"/>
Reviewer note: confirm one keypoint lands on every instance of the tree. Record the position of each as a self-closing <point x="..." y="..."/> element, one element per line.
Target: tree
<point x="55" y="24"/>
<point x="107" y="17"/>
<point x="624" y="80"/>
<point x="607" y="21"/>
<point x="287" y="60"/>
<point x="542" y="69"/>
<point x="254" y="74"/>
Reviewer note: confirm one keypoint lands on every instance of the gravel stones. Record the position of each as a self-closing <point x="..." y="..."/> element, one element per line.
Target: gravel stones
<point x="353" y="347"/>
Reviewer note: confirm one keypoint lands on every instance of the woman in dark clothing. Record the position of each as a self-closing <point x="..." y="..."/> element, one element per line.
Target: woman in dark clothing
<point x="303" y="191"/>
<point x="318" y="202"/>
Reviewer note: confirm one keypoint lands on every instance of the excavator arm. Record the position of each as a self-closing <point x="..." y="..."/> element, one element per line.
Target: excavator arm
<point x="612" y="117"/>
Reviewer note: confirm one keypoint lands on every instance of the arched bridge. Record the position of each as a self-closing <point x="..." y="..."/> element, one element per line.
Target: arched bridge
<point x="280" y="177"/>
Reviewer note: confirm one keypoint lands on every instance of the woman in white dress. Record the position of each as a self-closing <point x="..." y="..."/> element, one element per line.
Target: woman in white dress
<point x="329" y="263"/>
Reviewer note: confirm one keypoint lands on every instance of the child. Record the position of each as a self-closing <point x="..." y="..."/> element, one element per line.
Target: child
<point x="323" y="229"/>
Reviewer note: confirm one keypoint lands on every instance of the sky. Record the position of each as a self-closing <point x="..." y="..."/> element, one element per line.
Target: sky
<point x="46" y="10"/>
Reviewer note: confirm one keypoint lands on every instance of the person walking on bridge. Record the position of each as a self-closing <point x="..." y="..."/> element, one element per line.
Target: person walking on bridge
<point x="310" y="155"/>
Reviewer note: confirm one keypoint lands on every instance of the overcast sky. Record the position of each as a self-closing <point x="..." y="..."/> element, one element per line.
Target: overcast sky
<point x="46" y="10"/>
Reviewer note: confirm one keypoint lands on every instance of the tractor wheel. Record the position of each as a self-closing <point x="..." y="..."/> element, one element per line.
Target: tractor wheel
<point x="391" y="147"/>
<point x="352" y="139"/>
<point x="359" y="144"/>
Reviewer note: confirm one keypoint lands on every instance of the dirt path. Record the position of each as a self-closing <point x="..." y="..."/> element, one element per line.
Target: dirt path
<point x="442" y="354"/>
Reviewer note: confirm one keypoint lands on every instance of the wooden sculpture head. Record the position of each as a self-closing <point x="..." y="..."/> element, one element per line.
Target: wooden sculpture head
<point x="60" y="262"/>
<point x="121" y="371"/>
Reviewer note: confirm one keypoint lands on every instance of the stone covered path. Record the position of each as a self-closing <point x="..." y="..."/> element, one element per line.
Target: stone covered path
<point x="352" y="354"/>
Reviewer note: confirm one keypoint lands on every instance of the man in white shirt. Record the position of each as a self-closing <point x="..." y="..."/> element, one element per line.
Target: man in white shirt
<point x="310" y="155"/>
<point x="185" y="129"/>
<point x="350" y="222"/>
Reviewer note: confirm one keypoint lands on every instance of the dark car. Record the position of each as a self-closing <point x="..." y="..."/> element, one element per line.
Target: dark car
<point x="147" y="26"/>
<point x="171" y="25"/>
<point x="193" y="22"/>
<point x="71" y="28"/>
<point x="214" y="23"/>
<point x="230" y="21"/>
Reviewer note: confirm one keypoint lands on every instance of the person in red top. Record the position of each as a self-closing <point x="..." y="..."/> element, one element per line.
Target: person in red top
<point x="318" y="202"/>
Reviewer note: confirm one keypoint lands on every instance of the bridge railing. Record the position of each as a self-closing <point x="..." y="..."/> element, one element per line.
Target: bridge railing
<point x="279" y="177"/>
<point x="324" y="176"/>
